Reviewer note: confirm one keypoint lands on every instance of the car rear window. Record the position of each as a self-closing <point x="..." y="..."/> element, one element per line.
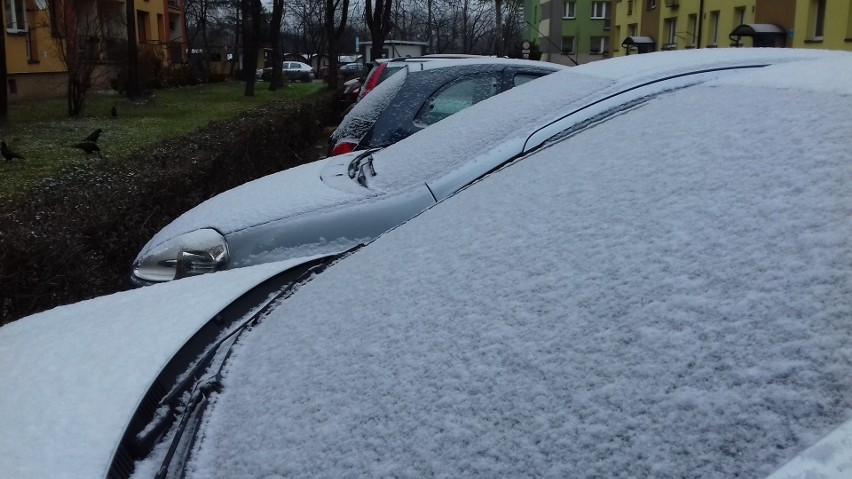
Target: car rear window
<point x="457" y="96"/>
<point x="365" y="113"/>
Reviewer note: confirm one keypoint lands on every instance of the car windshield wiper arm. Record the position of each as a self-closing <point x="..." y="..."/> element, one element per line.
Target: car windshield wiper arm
<point x="357" y="166"/>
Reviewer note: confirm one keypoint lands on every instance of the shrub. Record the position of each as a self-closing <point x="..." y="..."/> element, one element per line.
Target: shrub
<point x="74" y="236"/>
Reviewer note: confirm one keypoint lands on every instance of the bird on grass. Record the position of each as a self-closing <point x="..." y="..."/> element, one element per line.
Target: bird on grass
<point x="113" y="112"/>
<point x="7" y="153"/>
<point x="89" y="147"/>
<point x="93" y="136"/>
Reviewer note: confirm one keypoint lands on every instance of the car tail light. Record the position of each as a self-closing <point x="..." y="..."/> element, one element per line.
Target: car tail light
<point x="342" y="148"/>
<point x="373" y="80"/>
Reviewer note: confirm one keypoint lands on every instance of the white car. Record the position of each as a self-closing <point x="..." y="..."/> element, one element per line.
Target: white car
<point x="660" y="289"/>
<point x="292" y="71"/>
<point x="332" y="205"/>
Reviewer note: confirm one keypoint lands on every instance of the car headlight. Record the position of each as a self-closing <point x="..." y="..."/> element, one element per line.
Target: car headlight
<point x="198" y="252"/>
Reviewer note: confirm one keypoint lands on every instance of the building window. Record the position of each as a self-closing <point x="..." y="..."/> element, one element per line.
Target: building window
<point x="16" y="16"/>
<point x="818" y="22"/>
<point x="630" y="7"/>
<point x="599" y="45"/>
<point x="714" y="29"/>
<point x="32" y="47"/>
<point x="651" y="4"/>
<point x="739" y="16"/>
<point x="671" y="34"/>
<point x="570" y="10"/>
<point x="142" y="26"/>
<point x="632" y="29"/>
<point x="568" y="45"/>
<point x="600" y="10"/>
<point x="691" y="29"/>
<point x="739" y="19"/>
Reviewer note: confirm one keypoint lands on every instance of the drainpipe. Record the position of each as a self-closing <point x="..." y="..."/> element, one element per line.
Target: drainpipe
<point x="700" y="23"/>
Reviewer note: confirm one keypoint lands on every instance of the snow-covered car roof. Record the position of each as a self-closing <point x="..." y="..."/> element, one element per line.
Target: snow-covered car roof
<point x="663" y="294"/>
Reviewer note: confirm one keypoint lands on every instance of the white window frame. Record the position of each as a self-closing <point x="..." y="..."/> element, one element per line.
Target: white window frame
<point x="570" y="11"/>
<point x="714" y="27"/>
<point x="14" y="9"/>
<point x="602" y="45"/>
<point x="692" y="29"/>
<point x="573" y="46"/>
<point x="600" y="10"/>
<point x="671" y="31"/>
<point x="818" y="23"/>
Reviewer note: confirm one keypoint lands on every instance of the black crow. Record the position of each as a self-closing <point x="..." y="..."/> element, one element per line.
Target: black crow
<point x="7" y="153"/>
<point x="93" y="136"/>
<point x="113" y="112"/>
<point x="89" y="147"/>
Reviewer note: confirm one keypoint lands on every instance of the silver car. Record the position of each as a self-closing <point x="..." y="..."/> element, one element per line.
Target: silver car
<point x="329" y="206"/>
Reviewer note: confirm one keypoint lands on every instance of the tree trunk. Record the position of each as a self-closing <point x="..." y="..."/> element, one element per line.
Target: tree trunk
<point x="251" y="33"/>
<point x="334" y="33"/>
<point x="498" y="28"/>
<point x="275" y="41"/>
<point x="133" y="91"/>
<point x="4" y="96"/>
<point x="378" y="22"/>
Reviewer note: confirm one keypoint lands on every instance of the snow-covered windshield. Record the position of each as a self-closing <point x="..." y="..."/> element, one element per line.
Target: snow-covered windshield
<point x="666" y="294"/>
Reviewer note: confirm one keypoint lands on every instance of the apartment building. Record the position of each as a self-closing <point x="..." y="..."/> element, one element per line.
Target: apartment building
<point x="570" y="32"/>
<point x="641" y="26"/>
<point x="36" y="32"/>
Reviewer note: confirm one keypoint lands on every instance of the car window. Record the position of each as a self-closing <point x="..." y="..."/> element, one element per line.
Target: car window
<point x="455" y="97"/>
<point x="522" y="78"/>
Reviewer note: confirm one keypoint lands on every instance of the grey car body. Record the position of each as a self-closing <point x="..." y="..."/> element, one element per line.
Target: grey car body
<point x="335" y="204"/>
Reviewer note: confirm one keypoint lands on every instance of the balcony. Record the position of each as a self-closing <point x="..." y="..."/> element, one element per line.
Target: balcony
<point x="174" y="4"/>
<point x="673" y="4"/>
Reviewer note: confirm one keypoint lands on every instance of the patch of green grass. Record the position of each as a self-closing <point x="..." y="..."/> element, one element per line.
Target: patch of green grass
<point x="41" y="131"/>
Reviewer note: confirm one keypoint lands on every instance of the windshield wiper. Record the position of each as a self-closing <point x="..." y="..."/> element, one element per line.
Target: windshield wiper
<point x="359" y="165"/>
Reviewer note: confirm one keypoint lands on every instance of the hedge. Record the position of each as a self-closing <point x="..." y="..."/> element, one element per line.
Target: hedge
<point x="75" y="235"/>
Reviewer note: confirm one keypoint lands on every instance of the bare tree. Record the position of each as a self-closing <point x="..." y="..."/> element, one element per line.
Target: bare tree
<point x="79" y="29"/>
<point x="4" y="97"/>
<point x="133" y="90"/>
<point x="498" y="27"/>
<point x="336" y="16"/>
<point x="309" y="33"/>
<point x="252" y="11"/>
<point x="378" y="21"/>
<point x="275" y="43"/>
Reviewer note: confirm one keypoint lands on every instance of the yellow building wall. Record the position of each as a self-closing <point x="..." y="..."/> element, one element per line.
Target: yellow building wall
<point x="837" y="31"/>
<point x="44" y="58"/>
<point x="685" y="36"/>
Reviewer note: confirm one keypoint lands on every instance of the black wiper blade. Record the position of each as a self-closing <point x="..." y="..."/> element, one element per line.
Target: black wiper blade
<point x="357" y="166"/>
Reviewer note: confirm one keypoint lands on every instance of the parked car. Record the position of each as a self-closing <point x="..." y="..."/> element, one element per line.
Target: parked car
<point x="620" y="300"/>
<point x="292" y="71"/>
<point x="423" y="93"/>
<point x="383" y="68"/>
<point x="329" y="206"/>
<point x="349" y="71"/>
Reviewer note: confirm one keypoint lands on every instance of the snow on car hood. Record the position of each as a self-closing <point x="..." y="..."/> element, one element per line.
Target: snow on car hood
<point x="72" y="377"/>
<point x="634" y="301"/>
<point x="287" y="193"/>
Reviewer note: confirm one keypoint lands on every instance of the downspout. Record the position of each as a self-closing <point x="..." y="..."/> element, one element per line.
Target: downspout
<point x="700" y="23"/>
